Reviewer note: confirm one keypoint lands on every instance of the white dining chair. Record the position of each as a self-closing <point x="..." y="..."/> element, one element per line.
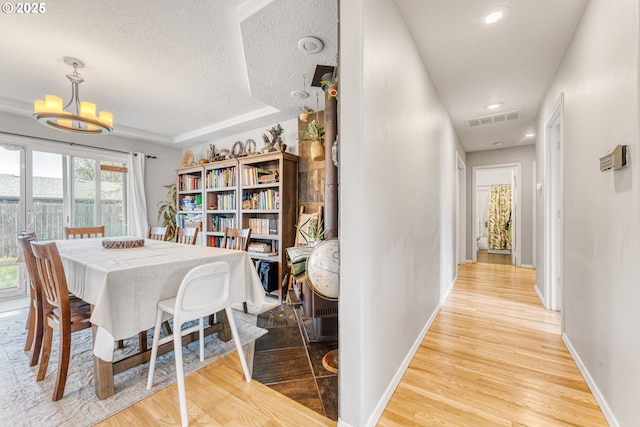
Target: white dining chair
<point x="203" y="291"/>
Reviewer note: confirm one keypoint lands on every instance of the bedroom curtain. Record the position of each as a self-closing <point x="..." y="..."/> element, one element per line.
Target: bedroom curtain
<point x="499" y="233"/>
<point x="138" y="223"/>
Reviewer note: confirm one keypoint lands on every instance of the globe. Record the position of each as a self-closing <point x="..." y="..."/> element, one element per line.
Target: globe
<point x="323" y="269"/>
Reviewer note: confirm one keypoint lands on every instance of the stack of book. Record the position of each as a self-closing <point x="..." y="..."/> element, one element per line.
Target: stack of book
<point x="258" y="247"/>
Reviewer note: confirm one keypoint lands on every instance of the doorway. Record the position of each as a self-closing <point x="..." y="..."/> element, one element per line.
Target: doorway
<point x="496" y="217"/>
<point x="554" y="209"/>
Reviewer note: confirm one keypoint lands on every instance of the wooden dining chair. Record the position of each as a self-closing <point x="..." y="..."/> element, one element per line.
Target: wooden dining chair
<point x="33" y="343"/>
<point x="58" y="313"/>
<point x="83" y="232"/>
<point x="157" y="233"/>
<point x="187" y="235"/>
<point x="237" y="238"/>
<point x="203" y="291"/>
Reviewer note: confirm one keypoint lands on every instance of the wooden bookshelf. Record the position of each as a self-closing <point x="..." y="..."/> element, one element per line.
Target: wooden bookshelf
<point x="269" y="205"/>
<point x="221" y="199"/>
<point x="190" y="208"/>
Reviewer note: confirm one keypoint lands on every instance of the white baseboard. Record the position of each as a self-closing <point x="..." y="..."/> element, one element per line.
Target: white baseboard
<point x="526" y="266"/>
<point x="608" y="414"/>
<point x="386" y="396"/>
<point x="540" y="295"/>
<point x="343" y="424"/>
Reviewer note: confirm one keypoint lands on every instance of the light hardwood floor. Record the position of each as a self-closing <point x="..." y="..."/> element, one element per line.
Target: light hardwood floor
<point x="493" y="357"/>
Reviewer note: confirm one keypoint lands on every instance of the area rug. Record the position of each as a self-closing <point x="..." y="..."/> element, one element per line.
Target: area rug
<point x="27" y="402"/>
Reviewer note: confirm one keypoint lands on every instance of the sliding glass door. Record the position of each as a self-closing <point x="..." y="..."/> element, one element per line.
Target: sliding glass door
<point x="45" y="191"/>
<point x="12" y="218"/>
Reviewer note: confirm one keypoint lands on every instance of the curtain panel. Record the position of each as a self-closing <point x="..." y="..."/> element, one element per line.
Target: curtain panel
<point x="499" y="232"/>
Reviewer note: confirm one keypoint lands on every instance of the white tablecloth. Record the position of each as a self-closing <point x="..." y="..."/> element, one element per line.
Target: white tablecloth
<point x="125" y="285"/>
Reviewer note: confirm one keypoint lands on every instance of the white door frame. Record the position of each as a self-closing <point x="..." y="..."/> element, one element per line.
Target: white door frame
<point x="554" y="209"/>
<point x="461" y="210"/>
<point x="516" y="201"/>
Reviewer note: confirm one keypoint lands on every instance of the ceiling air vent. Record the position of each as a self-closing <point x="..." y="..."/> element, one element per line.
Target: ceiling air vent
<point x="495" y="118"/>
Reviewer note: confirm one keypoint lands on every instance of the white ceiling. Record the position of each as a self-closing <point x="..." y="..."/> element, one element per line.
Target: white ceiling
<point x="474" y="64"/>
<point x="170" y="71"/>
<point x="182" y="73"/>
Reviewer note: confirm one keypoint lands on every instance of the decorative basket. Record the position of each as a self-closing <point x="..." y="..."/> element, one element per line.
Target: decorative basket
<point x="122" y="243"/>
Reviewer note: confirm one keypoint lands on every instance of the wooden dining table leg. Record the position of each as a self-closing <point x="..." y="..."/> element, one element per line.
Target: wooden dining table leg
<point x="102" y="371"/>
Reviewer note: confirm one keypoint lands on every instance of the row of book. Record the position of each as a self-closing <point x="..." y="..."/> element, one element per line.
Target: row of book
<point x="188" y="220"/>
<point x="189" y="182"/>
<point x="221" y="178"/>
<point x="225" y="202"/>
<point x="263" y="226"/>
<point x="221" y="223"/>
<point x="253" y="175"/>
<point x="266" y="199"/>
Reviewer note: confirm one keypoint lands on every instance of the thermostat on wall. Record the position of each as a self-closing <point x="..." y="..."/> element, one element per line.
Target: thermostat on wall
<point x="614" y="159"/>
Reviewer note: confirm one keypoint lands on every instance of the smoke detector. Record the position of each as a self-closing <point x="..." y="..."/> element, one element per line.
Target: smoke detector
<point x="310" y="45"/>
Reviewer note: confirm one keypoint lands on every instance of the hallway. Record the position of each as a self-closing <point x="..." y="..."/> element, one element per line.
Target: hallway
<point x="493" y="357"/>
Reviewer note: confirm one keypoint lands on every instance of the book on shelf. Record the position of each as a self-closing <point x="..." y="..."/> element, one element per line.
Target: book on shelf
<point x="263" y="226"/>
<point x="252" y="175"/>
<point x="258" y="247"/>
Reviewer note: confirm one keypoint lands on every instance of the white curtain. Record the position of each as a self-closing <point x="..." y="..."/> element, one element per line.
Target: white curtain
<point x="138" y="224"/>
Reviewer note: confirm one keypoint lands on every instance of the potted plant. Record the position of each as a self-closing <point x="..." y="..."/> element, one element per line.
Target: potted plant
<point x="167" y="211"/>
<point x="314" y="133"/>
<point x="331" y="86"/>
<point x="305" y="113"/>
<point x="314" y="233"/>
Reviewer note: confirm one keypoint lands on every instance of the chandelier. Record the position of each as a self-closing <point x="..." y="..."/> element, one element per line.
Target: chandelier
<point x="81" y="117"/>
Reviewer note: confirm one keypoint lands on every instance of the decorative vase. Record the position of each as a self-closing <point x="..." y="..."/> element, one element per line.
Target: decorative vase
<point x="312" y="242"/>
<point x="317" y="150"/>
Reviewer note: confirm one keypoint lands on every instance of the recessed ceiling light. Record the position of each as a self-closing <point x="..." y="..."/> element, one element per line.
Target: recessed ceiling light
<point x="498" y="143"/>
<point x="493" y="106"/>
<point x="529" y="135"/>
<point x="496" y="15"/>
<point x="310" y="45"/>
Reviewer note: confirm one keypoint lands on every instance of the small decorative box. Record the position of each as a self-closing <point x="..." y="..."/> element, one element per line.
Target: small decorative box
<point x="122" y="243"/>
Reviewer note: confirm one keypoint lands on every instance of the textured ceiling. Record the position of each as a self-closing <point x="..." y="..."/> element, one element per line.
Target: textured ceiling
<point x="183" y="73"/>
<point x="171" y="71"/>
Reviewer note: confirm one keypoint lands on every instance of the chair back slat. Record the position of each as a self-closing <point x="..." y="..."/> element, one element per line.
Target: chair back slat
<point x="187" y="235"/>
<point x="158" y="233"/>
<point x="83" y="232"/>
<point x="25" y="240"/>
<point x="51" y="274"/>
<point x="236" y="238"/>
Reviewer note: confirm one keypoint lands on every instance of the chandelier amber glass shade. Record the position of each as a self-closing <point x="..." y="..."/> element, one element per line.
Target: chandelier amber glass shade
<point x="76" y="116"/>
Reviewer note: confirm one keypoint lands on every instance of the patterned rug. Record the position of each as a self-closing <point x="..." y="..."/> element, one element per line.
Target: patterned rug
<point x="27" y="402"/>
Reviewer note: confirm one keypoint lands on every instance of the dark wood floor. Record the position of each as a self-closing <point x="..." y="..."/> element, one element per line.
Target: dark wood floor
<point x="286" y="363"/>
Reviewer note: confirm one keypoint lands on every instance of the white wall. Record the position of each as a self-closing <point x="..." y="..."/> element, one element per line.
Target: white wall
<point x="397" y="211"/>
<point x="159" y="171"/>
<point x="524" y="155"/>
<point x="289" y="136"/>
<point x="601" y="315"/>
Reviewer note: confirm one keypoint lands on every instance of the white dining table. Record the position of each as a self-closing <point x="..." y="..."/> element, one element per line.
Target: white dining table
<point x="124" y="286"/>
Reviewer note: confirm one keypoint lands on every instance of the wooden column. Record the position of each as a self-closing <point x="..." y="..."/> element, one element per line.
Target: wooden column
<point x="330" y="170"/>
